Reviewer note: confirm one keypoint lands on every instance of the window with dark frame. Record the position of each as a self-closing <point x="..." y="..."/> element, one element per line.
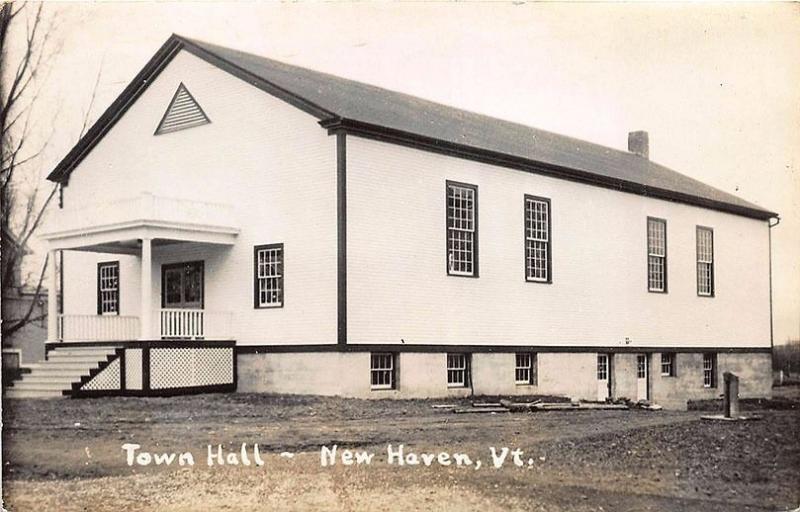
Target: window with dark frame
<point x="667" y="364"/>
<point x="656" y="255"/>
<point x="383" y="370"/>
<point x="641" y="366"/>
<point x="458" y="370"/>
<point x="602" y="366"/>
<point x="108" y="288"/>
<point x="705" y="261"/>
<point x="462" y="229"/>
<point x="709" y="370"/>
<point x="537" y="239"/>
<point x="269" y="288"/>
<point x="525" y="368"/>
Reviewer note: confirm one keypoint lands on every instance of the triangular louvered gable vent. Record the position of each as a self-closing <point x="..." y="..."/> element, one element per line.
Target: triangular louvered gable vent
<point x="183" y="112"/>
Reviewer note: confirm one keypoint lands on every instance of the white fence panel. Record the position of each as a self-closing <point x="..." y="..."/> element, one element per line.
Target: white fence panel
<point x="97" y="327"/>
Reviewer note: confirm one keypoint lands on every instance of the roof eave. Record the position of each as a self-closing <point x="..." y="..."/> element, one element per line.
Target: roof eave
<point x="117" y="108"/>
<point x="332" y="122"/>
<point x="417" y="141"/>
<point x="146" y="76"/>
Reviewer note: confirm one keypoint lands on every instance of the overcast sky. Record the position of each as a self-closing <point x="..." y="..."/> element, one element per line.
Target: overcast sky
<point x="715" y="85"/>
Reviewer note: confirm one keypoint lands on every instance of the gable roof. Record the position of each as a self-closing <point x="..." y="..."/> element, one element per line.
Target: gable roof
<point x="370" y="111"/>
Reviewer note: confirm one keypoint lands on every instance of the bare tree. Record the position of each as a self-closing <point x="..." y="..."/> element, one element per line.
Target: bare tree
<point x="22" y="200"/>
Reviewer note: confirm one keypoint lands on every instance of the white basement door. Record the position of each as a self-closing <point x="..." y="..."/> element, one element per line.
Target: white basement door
<point x="642" y="376"/>
<point x="602" y="377"/>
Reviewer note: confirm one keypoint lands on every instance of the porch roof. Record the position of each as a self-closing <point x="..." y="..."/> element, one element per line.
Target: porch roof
<point x="117" y="227"/>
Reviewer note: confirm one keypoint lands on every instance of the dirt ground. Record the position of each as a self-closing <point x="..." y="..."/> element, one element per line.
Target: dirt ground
<point x="66" y="455"/>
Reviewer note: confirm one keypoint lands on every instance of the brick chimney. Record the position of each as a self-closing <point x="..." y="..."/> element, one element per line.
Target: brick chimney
<point x="639" y="143"/>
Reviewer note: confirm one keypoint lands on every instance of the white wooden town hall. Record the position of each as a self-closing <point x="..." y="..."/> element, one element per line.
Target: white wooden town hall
<point x="236" y="223"/>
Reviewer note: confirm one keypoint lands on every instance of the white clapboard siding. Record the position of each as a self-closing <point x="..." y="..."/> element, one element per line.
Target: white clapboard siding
<point x="398" y="285"/>
<point x="269" y="161"/>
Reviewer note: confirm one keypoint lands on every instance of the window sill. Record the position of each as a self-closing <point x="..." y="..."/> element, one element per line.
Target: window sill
<point x="538" y="281"/>
<point x="455" y="274"/>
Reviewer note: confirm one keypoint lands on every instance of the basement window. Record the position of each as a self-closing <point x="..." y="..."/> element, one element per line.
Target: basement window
<point x="525" y="369"/>
<point x="108" y="288"/>
<point x="382" y="370"/>
<point x="458" y="370"/>
<point x="462" y="229"/>
<point x="656" y="255"/>
<point x="667" y="365"/>
<point x="268" y="276"/>
<point x="709" y="370"/>
<point x="537" y="239"/>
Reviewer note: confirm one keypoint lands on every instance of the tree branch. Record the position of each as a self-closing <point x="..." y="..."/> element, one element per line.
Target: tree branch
<point x="14" y="327"/>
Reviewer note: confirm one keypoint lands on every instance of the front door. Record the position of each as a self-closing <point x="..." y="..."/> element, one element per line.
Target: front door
<point x="182" y="285"/>
<point x="642" y="376"/>
<point x="603" y="378"/>
<point x="182" y="301"/>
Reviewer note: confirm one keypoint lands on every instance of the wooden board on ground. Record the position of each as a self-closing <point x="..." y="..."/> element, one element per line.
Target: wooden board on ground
<point x="579" y="407"/>
<point x="473" y="410"/>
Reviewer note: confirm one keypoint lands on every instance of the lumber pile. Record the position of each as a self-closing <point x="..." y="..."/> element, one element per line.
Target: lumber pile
<point x="482" y="409"/>
<point x="505" y="405"/>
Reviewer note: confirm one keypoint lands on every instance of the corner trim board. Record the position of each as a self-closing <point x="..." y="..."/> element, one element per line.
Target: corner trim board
<point x="341" y="238"/>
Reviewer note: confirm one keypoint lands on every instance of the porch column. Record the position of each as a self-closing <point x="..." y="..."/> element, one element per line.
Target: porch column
<point x="52" y="297"/>
<point x="145" y="314"/>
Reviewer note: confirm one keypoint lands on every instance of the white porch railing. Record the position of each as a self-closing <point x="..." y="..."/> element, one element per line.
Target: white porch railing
<point x="173" y="324"/>
<point x="194" y="324"/>
<point x="97" y="327"/>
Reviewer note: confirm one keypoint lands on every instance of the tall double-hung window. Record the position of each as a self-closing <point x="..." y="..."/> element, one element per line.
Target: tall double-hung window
<point x="462" y="229"/>
<point x="268" y="276"/>
<point x="537" y="239"/>
<point x="656" y="255"/>
<point x="705" y="261"/>
<point x="108" y="288"/>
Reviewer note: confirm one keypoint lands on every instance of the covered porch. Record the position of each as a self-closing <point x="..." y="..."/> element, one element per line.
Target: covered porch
<point x="143" y="226"/>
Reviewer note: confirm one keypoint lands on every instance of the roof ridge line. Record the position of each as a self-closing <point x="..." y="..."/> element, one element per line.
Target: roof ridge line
<point x="521" y="124"/>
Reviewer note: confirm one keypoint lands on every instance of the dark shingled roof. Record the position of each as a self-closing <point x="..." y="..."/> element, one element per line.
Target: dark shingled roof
<point x="333" y="99"/>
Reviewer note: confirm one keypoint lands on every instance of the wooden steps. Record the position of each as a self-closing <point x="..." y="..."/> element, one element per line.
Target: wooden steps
<point x="53" y="378"/>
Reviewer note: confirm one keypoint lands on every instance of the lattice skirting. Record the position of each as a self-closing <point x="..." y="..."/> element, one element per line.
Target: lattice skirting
<point x="163" y="369"/>
<point x="107" y="379"/>
<point x="189" y="367"/>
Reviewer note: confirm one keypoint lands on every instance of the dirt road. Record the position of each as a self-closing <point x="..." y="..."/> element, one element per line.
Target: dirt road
<point x="67" y="455"/>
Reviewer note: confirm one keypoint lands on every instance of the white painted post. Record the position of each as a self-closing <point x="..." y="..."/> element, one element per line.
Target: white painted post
<point x="145" y="314"/>
<point x="52" y="298"/>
